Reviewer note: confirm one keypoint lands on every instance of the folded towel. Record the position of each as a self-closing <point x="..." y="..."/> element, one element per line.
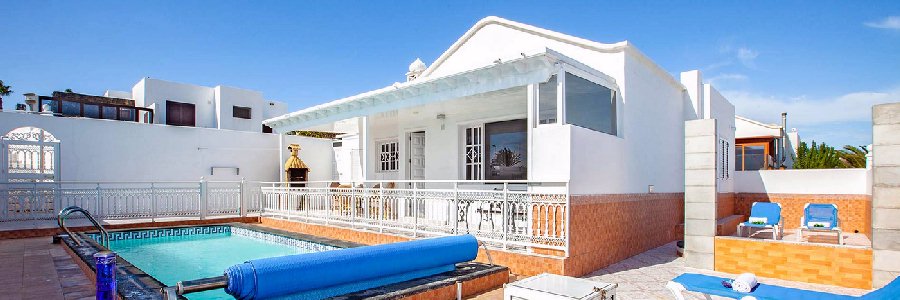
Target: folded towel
<point x="753" y="220"/>
<point x="744" y="283"/>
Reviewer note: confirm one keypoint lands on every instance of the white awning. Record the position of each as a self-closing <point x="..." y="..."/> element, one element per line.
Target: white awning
<point x="503" y="75"/>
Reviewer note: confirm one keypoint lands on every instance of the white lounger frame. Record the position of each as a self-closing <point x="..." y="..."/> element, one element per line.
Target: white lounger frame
<point x="777" y="229"/>
<point x="678" y="291"/>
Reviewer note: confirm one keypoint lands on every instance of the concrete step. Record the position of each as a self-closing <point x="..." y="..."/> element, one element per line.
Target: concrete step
<point x="728" y="225"/>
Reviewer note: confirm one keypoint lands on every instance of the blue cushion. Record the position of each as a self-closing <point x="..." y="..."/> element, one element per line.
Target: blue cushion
<point x="890" y="291"/>
<point x="817" y="212"/>
<point x="712" y="285"/>
<point x="768" y="210"/>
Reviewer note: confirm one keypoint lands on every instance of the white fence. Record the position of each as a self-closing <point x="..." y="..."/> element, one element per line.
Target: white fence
<point x="129" y="200"/>
<point x="514" y="215"/>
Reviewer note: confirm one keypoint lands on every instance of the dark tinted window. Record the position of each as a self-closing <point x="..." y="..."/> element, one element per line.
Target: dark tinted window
<point x="240" y="112"/>
<point x="180" y="114"/>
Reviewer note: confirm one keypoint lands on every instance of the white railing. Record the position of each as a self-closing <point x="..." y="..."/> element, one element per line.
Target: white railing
<point x="22" y="201"/>
<point x="512" y="215"/>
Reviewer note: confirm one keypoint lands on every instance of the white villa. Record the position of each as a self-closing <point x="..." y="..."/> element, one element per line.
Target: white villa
<point x="576" y="145"/>
<point x="510" y="101"/>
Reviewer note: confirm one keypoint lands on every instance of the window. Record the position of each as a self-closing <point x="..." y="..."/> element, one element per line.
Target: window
<point x="266" y="129"/>
<point x="180" y="114"/>
<point x="240" y="112"/>
<point x="590" y="105"/>
<point x="91" y="111"/>
<point x="547" y="101"/>
<point x="388" y="156"/>
<point x="109" y="112"/>
<point x="507" y="144"/>
<point x="473" y="153"/>
<point x="724" y="171"/>
<point x="751" y="157"/>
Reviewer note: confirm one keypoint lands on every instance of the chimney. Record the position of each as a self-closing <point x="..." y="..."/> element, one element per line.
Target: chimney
<point x="783" y="138"/>
<point x="415" y="69"/>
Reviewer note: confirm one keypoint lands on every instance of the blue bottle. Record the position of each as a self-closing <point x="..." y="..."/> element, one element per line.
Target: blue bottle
<point x="106" y="275"/>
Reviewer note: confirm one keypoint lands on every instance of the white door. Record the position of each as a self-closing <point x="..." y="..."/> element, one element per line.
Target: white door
<point x="416" y="155"/>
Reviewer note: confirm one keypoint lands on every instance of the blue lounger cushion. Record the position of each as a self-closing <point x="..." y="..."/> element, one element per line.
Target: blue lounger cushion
<point x="712" y="285"/>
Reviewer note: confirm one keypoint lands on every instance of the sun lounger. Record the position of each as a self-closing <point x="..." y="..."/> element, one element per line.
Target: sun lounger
<point x="712" y="286"/>
<point x="764" y="215"/>
<point x="822" y="218"/>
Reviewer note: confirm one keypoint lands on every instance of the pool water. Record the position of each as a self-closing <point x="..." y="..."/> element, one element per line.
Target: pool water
<point x="188" y="257"/>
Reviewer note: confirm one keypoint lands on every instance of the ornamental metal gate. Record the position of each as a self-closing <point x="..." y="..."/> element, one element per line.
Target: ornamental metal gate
<point x="29" y="154"/>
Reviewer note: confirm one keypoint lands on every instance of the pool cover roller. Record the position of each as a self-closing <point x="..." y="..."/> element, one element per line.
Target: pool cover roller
<point x="337" y="272"/>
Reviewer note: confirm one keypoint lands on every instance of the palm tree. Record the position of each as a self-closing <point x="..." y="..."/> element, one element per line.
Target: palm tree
<point x="4" y="91"/>
<point x="853" y="157"/>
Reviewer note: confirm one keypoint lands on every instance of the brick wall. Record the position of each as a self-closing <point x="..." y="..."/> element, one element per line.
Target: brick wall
<point x="813" y="263"/>
<point x="606" y="229"/>
<point x="854" y="211"/>
<point x="518" y="263"/>
<point x="725" y="205"/>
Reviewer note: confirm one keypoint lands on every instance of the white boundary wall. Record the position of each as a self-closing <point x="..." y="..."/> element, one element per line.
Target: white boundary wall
<point x="116" y="151"/>
<point x="808" y="181"/>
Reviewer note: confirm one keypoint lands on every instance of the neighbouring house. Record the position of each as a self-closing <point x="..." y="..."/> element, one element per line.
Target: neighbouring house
<point x="171" y="103"/>
<point x="160" y="130"/>
<point x="513" y="109"/>
<point x="761" y="146"/>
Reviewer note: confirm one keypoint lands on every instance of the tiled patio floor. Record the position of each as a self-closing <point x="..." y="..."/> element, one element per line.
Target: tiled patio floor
<point x="644" y="276"/>
<point x="37" y="269"/>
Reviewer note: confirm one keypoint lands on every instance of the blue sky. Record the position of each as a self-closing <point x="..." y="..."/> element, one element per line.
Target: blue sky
<point x="824" y="62"/>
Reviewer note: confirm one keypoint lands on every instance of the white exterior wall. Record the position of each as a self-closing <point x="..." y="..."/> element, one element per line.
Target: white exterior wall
<point x="649" y="148"/>
<point x="717" y="107"/>
<point x="213" y="105"/>
<point x="106" y="150"/>
<point x="807" y="181"/>
<point x="117" y="94"/>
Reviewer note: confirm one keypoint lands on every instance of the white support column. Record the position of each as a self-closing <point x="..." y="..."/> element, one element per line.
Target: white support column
<point x="364" y="147"/>
<point x="204" y="199"/>
<point x="532" y="121"/>
<point x="281" y="159"/>
<point x="560" y="95"/>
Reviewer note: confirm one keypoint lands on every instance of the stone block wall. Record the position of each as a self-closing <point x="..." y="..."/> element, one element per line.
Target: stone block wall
<point x="885" y="193"/>
<point x="814" y="263"/>
<point x="854" y="211"/>
<point x="700" y="192"/>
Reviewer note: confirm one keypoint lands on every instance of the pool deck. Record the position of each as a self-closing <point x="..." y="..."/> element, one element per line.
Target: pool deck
<point x="34" y="268"/>
<point x="645" y="276"/>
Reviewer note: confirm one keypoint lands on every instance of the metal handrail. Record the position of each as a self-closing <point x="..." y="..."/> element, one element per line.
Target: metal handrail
<point x="61" y="220"/>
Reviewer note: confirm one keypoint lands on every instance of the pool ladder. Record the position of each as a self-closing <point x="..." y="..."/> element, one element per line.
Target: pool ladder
<point x="61" y="220"/>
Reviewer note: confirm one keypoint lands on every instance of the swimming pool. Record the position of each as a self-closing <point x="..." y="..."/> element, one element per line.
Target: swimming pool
<point x="187" y="253"/>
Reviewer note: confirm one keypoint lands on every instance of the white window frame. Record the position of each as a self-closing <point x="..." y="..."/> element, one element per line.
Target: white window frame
<point x="392" y="155"/>
<point x="477" y="146"/>
<point x="724" y="172"/>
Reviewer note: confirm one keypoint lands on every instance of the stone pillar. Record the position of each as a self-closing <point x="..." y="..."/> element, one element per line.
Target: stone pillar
<point x="699" y="193"/>
<point x="885" y="193"/>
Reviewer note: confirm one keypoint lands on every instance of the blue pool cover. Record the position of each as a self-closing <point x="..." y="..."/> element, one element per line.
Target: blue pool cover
<point x="332" y="273"/>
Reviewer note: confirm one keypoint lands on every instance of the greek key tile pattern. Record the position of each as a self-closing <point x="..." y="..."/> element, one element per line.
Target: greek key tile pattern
<point x="185" y="231"/>
<point x="163" y="232"/>
<point x="312" y="246"/>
